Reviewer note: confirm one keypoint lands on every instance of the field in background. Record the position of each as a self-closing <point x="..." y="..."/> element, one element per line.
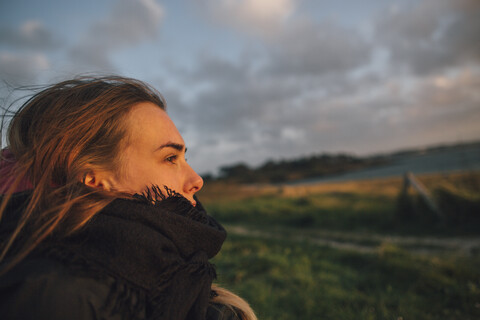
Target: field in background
<point x="348" y="251"/>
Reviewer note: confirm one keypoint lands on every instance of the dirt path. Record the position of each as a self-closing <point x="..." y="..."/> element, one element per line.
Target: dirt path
<point x="365" y="243"/>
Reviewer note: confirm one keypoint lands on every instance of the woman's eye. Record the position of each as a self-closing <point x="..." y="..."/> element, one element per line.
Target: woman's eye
<point x="171" y="159"/>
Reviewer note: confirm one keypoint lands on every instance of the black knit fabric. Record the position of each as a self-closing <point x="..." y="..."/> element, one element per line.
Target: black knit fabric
<point x="156" y="246"/>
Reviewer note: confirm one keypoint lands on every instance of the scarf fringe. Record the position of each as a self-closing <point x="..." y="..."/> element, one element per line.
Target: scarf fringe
<point x="173" y="201"/>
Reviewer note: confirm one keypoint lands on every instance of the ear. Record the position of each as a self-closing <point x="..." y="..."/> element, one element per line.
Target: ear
<point x="97" y="179"/>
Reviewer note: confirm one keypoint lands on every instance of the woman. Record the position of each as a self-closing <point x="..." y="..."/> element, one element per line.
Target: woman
<point x="99" y="218"/>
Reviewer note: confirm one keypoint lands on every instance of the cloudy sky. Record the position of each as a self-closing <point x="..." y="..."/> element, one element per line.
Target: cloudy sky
<point x="251" y="80"/>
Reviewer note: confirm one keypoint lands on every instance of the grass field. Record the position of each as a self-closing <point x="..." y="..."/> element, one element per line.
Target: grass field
<point x="340" y="251"/>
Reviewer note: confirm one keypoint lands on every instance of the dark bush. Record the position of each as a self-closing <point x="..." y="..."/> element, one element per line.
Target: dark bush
<point x="457" y="207"/>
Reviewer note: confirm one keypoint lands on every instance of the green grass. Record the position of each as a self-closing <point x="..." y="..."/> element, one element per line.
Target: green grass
<point x="285" y="274"/>
<point x="286" y="280"/>
<point x="339" y="211"/>
<point x="368" y="206"/>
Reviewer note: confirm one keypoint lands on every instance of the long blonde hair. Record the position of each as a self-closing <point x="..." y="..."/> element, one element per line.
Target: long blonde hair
<point x="57" y="137"/>
<point x="238" y="305"/>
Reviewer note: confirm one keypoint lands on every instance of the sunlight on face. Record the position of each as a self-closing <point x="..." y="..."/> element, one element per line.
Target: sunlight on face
<point x="155" y="154"/>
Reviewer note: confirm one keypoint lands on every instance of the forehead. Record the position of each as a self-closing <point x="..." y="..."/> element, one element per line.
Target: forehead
<point x="148" y="123"/>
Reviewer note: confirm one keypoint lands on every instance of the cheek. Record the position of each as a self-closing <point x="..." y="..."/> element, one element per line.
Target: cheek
<point x="143" y="174"/>
<point x="135" y="178"/>
<point x="135" y="174"/>
<point x="164" y="178"/>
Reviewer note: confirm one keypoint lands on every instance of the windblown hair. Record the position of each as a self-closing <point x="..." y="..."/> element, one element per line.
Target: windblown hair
<point x="57" y="137"/>
<point x="239" y="306"/>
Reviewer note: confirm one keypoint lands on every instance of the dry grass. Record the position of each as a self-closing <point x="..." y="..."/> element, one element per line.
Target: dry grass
<point x="215" y="191"/>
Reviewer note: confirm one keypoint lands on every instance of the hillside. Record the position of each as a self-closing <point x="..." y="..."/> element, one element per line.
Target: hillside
<point x="320" y="165"/>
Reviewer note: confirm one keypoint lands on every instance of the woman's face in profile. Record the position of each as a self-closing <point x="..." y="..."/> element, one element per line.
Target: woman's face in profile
<point x="155" y="154"/>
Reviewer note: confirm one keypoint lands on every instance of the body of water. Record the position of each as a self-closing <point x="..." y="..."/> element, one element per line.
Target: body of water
<point x="465" y="158"/>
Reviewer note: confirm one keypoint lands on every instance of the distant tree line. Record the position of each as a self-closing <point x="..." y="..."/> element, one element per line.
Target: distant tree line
<point x="296" y="169"/>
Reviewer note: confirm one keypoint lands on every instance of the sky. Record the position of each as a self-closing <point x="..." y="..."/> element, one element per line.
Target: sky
<point x="256" y="80"/>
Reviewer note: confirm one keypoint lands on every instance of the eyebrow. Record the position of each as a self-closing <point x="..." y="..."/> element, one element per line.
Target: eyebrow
<point x="173" y="145"/>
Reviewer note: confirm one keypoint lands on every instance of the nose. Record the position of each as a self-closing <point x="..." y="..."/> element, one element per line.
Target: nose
<point x="193" y="182"/>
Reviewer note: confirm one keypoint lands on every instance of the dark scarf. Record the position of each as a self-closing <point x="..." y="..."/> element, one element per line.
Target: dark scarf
<point x="157" y="245"/>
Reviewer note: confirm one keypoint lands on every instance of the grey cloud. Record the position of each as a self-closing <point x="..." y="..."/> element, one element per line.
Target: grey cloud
<point x="432" y="34"/>
<point x="256" y="118"/>
<point x="239" y="108"/>
<point x="248" y="118"/>
<point x="296" y="46"/>
<point x="231" y="107"/>
<point x="217" y="71"/>
<point x="31" y="35"/>
<point x="262" y="19"/>
<point x="429" y="112"/>
<point x="448" y="97"/>
<point x="311" y="49"/>
<point x="130" y="23"/>
<point x="21" y="69"/>
<point x="298" y="94"/>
